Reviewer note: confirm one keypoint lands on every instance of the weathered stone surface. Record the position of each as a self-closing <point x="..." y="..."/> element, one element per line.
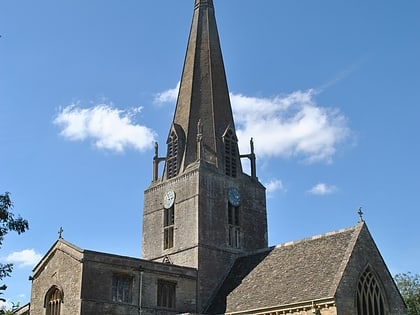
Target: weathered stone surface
<point x="85" y="279"/>
<point x="61" y="267"/>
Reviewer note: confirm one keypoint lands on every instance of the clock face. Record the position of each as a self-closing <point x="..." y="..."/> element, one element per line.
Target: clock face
<point x="169" y="199"/>
<point x="234" y="197"/>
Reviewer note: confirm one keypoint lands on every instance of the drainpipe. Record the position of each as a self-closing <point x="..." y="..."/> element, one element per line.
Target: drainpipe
<point x="140" y="292"/>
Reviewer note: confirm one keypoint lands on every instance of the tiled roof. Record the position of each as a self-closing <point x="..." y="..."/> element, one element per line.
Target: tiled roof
<point x="306" y="270"/>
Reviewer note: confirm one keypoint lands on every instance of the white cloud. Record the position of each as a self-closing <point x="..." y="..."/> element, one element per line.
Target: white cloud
<point x="292" y="125"/>
<point x="274" y="185"/>
<point x="109" y="128"/>
<point x="168" y="96"/>
<point x="24" y="258"/>
<point x="321" y="189"/>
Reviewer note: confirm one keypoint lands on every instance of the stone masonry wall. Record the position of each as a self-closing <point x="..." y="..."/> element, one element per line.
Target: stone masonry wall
<point x="64" y="270"/>
<point x="366" y="254"/>
<point x="100" y="268"/>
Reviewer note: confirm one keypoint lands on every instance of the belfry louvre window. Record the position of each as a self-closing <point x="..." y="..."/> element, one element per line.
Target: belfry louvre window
<point x="172" y="160"/>
<point x="53" y="300"/>
<point x="231" y="153"/>
<point x="166" y="294"/>
<point x="234" y="228"/>
<point x="168" y="227"/>
<point x="121" y="289"/>
<point x="370" y="299"/>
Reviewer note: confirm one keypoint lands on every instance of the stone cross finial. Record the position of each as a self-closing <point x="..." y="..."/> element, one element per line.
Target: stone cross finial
<point x="360" y="213"/>
<point x="60" y="232"/>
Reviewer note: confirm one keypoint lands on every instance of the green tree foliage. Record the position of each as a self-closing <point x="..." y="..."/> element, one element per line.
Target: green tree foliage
<point x="8" y="222"/>
<point x="409" y="286"/>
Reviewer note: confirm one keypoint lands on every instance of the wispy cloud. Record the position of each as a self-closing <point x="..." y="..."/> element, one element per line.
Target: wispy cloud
<point x="322" y="189"/>
<point x="292" y="125"/>
<point x="345" y="73"/>
<point x="168" y="96"/>
<point x="273" y="186"/>
<point x="109" y="128"/>
<point x="24" y="258"/>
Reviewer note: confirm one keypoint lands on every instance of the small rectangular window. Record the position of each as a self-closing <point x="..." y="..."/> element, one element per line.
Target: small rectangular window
<point x="166" y="294"/>
<point x="121" y="289"/>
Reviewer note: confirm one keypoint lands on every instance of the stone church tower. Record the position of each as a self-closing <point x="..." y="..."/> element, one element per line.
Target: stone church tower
<point x="205" y="230"/>
<point x="204" y="211"/>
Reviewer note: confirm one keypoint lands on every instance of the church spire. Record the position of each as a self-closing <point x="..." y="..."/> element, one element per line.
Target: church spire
<point x="204" y="2"/>
<point x="203" y="127"/>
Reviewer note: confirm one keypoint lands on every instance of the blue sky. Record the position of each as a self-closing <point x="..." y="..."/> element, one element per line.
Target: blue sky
<point x="330" y="91"/>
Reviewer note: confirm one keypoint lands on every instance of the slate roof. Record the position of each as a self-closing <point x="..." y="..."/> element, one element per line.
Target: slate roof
<point x="302" y="271"/>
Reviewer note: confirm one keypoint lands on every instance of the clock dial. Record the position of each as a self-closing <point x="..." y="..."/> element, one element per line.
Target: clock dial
<point x="169" y="199"/>
<point x="234" y="197"/>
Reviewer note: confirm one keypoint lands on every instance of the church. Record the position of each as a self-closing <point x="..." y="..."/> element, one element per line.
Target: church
<point x="204" y="242"/>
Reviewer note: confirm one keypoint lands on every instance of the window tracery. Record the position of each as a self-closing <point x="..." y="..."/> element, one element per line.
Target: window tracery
<point x="370" y="298"/>
<point x="53" y="300"/>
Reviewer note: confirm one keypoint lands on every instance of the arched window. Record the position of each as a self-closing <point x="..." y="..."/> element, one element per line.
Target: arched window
<point x="172" y="161"/>
<point x="370" y="299"/>
<point x="53" y="300"/>
<point x="231" y="153"/>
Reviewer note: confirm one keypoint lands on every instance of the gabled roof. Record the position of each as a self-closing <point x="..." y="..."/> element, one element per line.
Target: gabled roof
<point x="61" y="245"/>
<point x="303" y="271"/>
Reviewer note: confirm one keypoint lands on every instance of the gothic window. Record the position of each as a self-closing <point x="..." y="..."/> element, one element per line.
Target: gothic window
<point x="172" y="162"/>
<point x="121" y="289"/>
<point x="166" y="294"/>
<point x="168" y="227"/>
<point x="231" y="153"/>
<point x="53" y="301"/>
<point x="234" y="228"/>
<point x="370" y="298"/>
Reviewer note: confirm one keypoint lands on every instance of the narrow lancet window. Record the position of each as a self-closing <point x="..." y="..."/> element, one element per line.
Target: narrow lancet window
<point x="234" y="230"/>
<point x="231" y="153"/>
<point x="168" y="227"/>
<point x="370" y="299"/>
<point x="172" y="161"/>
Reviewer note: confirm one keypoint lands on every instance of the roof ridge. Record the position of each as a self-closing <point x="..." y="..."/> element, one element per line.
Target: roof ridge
<point x="315" y="237"/>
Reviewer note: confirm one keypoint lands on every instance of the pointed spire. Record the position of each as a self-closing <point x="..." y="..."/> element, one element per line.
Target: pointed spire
<point x="203" y="95"/>
<point x="203" y="2"/>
